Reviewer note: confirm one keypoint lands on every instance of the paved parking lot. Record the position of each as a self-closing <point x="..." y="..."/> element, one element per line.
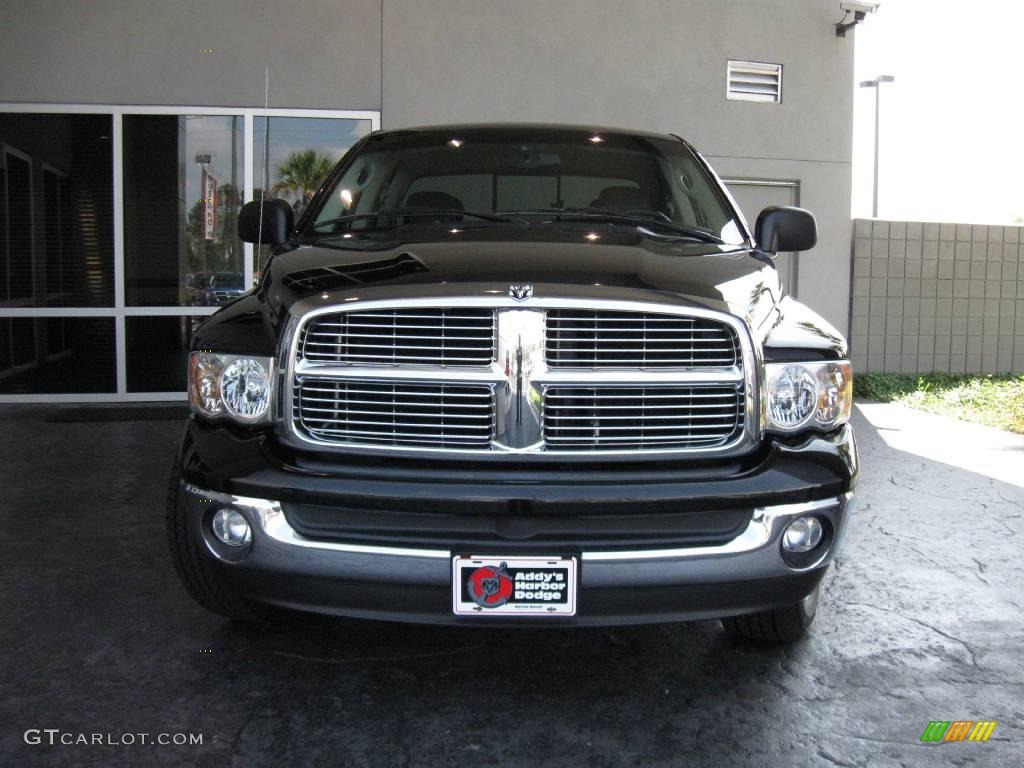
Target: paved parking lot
<point x="922" y="619"/>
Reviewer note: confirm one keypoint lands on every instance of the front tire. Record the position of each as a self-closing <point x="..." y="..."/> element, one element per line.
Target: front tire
<point x="200" y="580"/>
<point x="778" y="625"/>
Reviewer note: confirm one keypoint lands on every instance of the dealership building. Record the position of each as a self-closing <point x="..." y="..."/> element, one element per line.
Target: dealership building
<point x="132" y="132"/>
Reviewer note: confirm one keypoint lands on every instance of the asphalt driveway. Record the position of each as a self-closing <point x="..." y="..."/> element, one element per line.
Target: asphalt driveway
<point x="922" y="619"/>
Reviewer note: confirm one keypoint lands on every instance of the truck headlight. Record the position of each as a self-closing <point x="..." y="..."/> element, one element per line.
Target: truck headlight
<point x="807" y="394"/>
<point x="238" y="387"/>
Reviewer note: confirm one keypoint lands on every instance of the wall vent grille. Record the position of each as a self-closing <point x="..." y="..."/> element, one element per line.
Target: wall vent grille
<point x="754" y="81"/>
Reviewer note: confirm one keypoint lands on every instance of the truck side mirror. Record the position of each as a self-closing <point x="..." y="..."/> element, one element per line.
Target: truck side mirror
<point x="278" y="222"/>
<point x="785" y="228"/>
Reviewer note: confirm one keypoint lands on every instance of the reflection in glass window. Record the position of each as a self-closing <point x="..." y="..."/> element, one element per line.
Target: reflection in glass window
<point x="182" y="192"/>
<point x="182" y="179"/>
<point x="300" y="152"/>
<point x="56" y="210"/>
<point x="19" y="225"/>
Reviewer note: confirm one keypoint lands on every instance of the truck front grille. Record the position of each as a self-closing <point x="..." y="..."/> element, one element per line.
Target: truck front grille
<point x="373" y="413"/>
<point x="635" y="418"/>
<point x="587" y="338"/>
<point x="459" y="337"/>
<point x="491" y="376"/>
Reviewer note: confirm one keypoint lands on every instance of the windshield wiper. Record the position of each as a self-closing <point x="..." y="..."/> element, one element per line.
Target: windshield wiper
<point x="637" y="220"/>
<point x="447" y="212"/>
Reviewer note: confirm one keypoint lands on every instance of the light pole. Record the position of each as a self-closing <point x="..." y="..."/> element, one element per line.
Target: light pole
<point x="203" y="160"/>
<point x="876" y="84"/>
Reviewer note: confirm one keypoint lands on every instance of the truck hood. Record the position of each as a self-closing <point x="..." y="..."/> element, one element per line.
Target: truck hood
<point x="612" y="265"/>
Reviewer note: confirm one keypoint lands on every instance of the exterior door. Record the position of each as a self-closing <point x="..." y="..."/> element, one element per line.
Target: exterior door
<point x="752" y="196"/>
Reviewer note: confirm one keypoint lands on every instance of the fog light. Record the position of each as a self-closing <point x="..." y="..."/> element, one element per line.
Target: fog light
<point x="231" y="528"/>
<point x="803" y="535"/>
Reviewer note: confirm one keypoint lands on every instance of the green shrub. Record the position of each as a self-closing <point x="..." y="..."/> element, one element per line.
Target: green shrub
<point x="996" y="400"/>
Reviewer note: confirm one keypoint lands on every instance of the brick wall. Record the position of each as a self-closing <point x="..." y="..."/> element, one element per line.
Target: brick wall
<point x="937" y="297"/>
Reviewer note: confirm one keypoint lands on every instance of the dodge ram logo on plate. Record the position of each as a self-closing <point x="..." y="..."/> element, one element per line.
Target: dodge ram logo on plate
<point x="489" y="586"/>
<point x="520" y="292"/>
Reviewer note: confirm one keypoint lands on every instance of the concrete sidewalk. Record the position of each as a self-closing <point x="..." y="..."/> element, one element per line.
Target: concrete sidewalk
<point x="922" y="620"/>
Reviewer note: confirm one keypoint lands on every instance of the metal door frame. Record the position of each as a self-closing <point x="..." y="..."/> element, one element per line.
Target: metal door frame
<point x="794" y="184"/>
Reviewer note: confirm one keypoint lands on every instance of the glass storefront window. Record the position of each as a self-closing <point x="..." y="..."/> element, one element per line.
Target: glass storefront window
<point x="180" y="187"/>
<point x="57" y="355"/>
<point x="182" y="193"/>
<point x="156" y="350"/>
<point x="56" y="210"/>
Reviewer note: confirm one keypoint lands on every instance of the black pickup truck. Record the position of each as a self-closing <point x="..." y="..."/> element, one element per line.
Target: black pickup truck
<point x="517" y="375"/>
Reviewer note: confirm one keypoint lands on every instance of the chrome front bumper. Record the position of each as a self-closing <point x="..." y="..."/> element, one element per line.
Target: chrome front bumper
<point x="284" y="568"/>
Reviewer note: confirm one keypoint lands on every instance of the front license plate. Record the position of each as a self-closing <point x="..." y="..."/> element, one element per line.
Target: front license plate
<point x="521" y="586"/>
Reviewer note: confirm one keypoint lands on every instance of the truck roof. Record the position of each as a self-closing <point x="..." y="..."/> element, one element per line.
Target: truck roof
<point x="524" y="127"/>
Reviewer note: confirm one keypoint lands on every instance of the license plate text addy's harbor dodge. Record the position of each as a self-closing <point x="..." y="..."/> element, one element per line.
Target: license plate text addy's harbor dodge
<point x="518" y="585"/>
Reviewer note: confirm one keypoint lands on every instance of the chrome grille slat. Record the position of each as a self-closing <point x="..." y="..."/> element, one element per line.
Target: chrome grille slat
<point x="675" y="328"/>
<point x="632" y="362"/>
<point x="599" y="426"/>
<point x="603" y="442"/>
<point x="400" y="438"/>
<point x="394" y="402"/>
<point x="687" y="407"/>
<point x="350" y="401"/>
<point x="644" y="349"/>
<point x="609" y="442"/>
<point x="406" y="414"/>
<point x="405" y="327"/>
<point x="400" y="424"/>
<point x="667" y="339"/>
<point x="459" y="337"/>
<point x="710" y="333"/>
<point x="586" y="318"/>
<point x="394" y="359"/>
<point x="393" y="346"/>
<point x="598" y="338"/>
<point x="633" y="418"/>
<point x="555" y="396"/>
<point x="592" y="418"/>
<point x="412" y="315"/>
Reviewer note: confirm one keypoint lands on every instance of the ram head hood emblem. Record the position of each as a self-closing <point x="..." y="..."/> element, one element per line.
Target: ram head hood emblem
<point x="520" y="291"/>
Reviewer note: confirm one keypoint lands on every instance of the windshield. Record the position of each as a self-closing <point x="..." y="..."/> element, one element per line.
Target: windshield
<point x="526" y="172"/>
